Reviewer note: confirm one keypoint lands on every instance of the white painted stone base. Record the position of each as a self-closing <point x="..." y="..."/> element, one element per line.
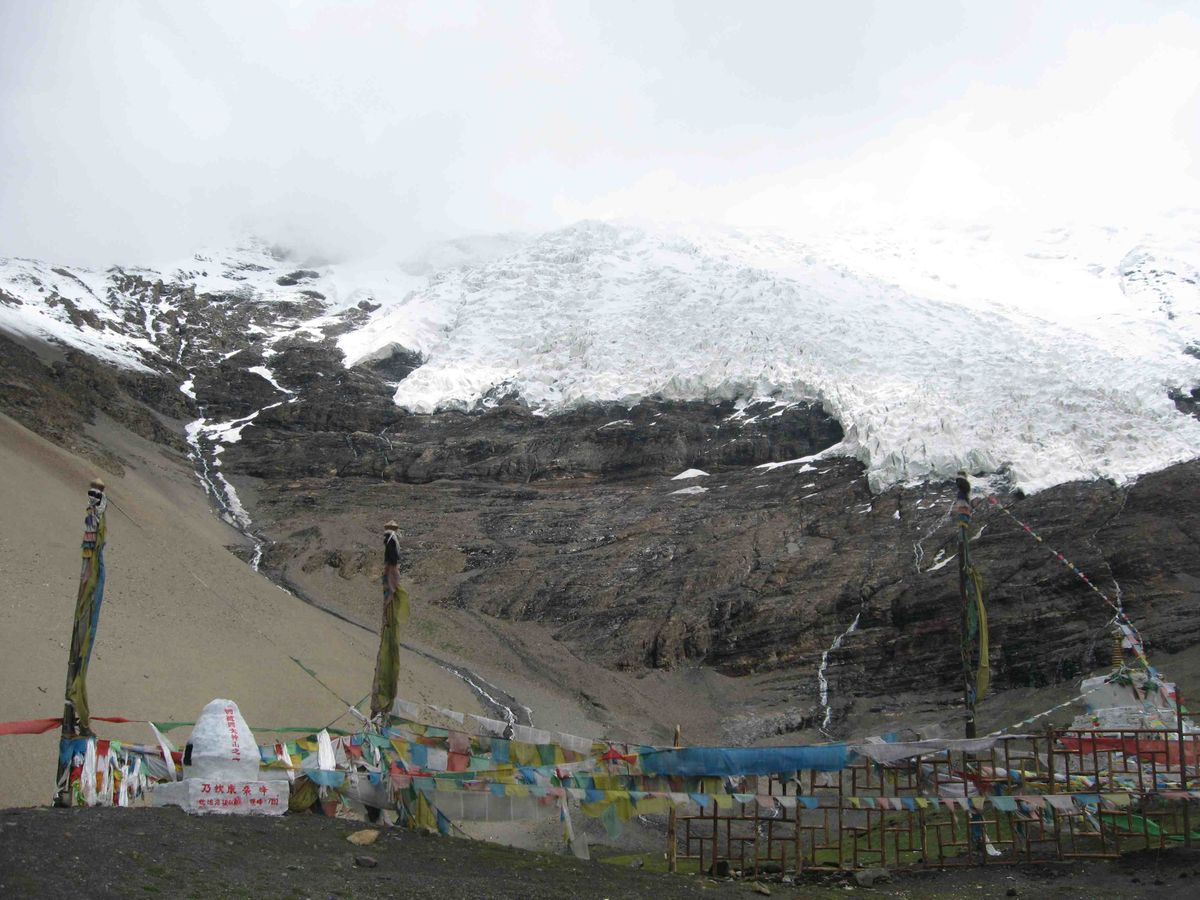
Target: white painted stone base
<point x="243" y="798"/>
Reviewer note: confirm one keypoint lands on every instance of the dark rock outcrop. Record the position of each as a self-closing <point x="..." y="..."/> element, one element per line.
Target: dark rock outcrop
<point x="396" y="364"/>
<point x="346" y="423"/>
<point x="59" y="398"/>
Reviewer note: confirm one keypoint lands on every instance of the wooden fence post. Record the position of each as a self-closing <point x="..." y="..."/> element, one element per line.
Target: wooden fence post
<point x="1183" y="782"/>
<point x="672" y="827"/>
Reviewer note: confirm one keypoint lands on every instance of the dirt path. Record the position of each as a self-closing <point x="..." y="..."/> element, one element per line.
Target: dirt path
<point x="165" y="853"/>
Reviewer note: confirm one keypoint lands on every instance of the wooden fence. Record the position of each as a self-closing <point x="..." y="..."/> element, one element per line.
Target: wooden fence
<point x="1062" y="795"/>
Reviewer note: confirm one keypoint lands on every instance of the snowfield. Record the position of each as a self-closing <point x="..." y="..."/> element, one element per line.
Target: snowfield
<point x="1039" y="357"/>
<point x="71" y="308"/>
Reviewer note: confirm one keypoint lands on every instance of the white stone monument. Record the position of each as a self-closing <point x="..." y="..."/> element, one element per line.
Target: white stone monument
<point x="222" y="775"/>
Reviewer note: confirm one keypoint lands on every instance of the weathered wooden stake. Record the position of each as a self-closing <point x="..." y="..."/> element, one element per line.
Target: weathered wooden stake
<point x="963" y="515"/>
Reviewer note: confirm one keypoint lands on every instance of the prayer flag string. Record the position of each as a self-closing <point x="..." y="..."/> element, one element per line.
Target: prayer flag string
<point x="1122" y="620"/>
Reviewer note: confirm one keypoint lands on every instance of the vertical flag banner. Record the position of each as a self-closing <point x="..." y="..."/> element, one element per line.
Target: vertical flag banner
<point x="395" y="614"/>
<point x="87" y="608"/>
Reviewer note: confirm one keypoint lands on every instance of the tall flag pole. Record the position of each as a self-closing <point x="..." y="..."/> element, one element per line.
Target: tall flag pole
<point x="973" y="629"/>
<point x="76" y="715"/>
<point x="395" y="614"/>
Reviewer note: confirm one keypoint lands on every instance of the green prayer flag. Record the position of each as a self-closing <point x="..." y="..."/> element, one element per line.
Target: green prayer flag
<point x="395" y="614"/>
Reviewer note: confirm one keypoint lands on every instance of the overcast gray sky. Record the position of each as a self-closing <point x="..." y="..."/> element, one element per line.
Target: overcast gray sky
<point x="138" y="130"/>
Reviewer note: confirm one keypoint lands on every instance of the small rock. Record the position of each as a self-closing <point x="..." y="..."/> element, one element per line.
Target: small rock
<point x="636" y="864"/>
<point x="871" y="877"/>
<point x="364" y="837"/>
<point x="759" y="888"/>
<point x="366" y="862"/>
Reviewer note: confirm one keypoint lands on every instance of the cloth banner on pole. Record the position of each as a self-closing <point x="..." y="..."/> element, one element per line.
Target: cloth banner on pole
<point x="87" y="607"/>
<point x="395" y="614"/>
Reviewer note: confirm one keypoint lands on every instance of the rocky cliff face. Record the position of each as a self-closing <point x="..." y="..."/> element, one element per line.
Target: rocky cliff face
<point x="778" y="562"/>
<point x="575" y="522"/>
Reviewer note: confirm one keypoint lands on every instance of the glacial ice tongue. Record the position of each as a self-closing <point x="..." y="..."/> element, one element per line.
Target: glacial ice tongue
<point x="923" y="386"/>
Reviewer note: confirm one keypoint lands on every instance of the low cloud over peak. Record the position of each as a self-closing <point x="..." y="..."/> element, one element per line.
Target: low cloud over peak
<point x="136" y="131"/>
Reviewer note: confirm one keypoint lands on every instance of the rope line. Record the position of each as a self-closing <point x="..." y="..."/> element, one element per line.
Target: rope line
<point x="1122" y="619"/>
<point x="1068" y="702"/>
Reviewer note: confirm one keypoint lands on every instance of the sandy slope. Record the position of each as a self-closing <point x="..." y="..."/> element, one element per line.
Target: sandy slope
<point x="184" y="620"/>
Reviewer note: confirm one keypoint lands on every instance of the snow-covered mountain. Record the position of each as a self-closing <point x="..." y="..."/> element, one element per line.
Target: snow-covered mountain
<point x="1041" y="358"/>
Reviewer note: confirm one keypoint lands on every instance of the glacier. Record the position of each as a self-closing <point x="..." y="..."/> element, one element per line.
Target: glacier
<point x="923" y="383"/>
<point x="1035" y="356"/>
